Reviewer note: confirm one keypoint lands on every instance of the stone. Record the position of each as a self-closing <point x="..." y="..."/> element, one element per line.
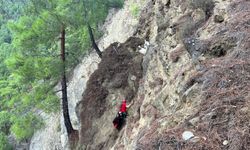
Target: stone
<point x="209" y="116"/>
<point x="186" y="135"/>
<point x="133" y="78"/>
<point x="198" y="14"/>
<point x="218" y="19"/>
<point x="194" y="121"/>
<point x="245" y="110"/>
<point x="195" y="139"/>
<point x="225" y="142"/>
<point x="142" y="50"/>
<point x="166" y="2"/>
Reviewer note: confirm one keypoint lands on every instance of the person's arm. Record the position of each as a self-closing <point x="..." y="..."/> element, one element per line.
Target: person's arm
<point x="131" y="103"/>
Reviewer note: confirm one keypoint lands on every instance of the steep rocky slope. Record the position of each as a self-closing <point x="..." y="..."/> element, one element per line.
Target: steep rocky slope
<point x="195" y="76"/>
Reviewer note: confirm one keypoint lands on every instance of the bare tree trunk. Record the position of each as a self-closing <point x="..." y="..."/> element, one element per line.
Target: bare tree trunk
<point x="93" y="42"/>
<point x="66" y="117"/>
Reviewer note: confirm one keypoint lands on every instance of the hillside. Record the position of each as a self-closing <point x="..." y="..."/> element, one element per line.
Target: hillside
<point x="194" y="77"/>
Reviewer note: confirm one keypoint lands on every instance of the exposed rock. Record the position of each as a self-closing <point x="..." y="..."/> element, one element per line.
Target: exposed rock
<point x="194" y="121"/>
<point x="195" y="139"/>
<point x="218" y="19"/>
<point x="171" y="91"/>
<point x="133" y="78"/>
<point x="187" y="135"/>
<point x="95" y="98"/>
<point x="225" y="142"/>
<point x="49" y="137"/>
<point x="175" y="55"/>
<point x="142" y="50"/>
<point x="195" y="47"/>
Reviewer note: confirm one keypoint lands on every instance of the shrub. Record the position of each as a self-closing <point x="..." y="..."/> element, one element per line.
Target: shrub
<point x="4" y="122"/>
<point x="116" y="3"/>
<point x="24" y="127"/>
<point x="134" y="9"/>
<point x="4" y="144"/>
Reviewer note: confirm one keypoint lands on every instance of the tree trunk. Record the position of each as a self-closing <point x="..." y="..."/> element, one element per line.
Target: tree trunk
<point x="93" y="42"/>
<point x="66" y="117"/>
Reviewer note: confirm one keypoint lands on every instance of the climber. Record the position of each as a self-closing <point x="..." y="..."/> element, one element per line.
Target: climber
<point x="123" y="109"/>
<point x="121" y="115"/>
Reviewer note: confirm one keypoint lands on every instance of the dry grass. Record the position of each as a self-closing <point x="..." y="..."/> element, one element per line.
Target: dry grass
<point x="224" y="112"/>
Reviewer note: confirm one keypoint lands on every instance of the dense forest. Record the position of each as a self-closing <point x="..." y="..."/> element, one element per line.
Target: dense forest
<point x="40" y="42"/>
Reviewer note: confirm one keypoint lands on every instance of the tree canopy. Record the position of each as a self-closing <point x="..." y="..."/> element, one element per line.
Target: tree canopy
<point x="30" y="64"/>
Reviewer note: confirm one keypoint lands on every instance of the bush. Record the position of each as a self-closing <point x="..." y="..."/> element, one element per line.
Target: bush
<point x="4" y="144"/>
<point x="5" y="122"/>
<point x="24" y="127"/>
<point x="115" y="3"/>
<point x="134" y="9"/>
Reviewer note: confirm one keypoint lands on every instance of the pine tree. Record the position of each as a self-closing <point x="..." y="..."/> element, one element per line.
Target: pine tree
<point x="32" y="62"/>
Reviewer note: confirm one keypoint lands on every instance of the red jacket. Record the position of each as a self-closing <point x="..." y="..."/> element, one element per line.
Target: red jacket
<point x="123" y="107"/>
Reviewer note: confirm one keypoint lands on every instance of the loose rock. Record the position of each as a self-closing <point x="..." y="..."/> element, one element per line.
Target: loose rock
<point x="186" y="135"/>
<point x="225" y="142"/>
<point x="218" y="19"/>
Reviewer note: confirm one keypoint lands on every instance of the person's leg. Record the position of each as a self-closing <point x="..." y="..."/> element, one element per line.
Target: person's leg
<point x="120" y="123"/>
<point x="116" y="121"/>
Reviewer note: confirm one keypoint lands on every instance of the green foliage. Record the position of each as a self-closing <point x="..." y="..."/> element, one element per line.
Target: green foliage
<point x="4" y="145"/>
<point x="5" y="51"/>
<point x="5" y="34"/>
<point x="30" y="64"/>
<point x="115" y="3"/>
<point x="5" y="122"/>
<point x="79" y="43"/>
<point x="33" y="69"/>
<point x="33" y="37"/>
<point x="11" y="9"/>
<point x="50" y="102"/>
<point x="24" y="126"/>
<point x="135" y="9"/>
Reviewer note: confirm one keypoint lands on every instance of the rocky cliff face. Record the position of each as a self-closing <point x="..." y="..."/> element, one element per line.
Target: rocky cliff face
<point x="194" y="76"/>
<point x="119" y="26"/>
